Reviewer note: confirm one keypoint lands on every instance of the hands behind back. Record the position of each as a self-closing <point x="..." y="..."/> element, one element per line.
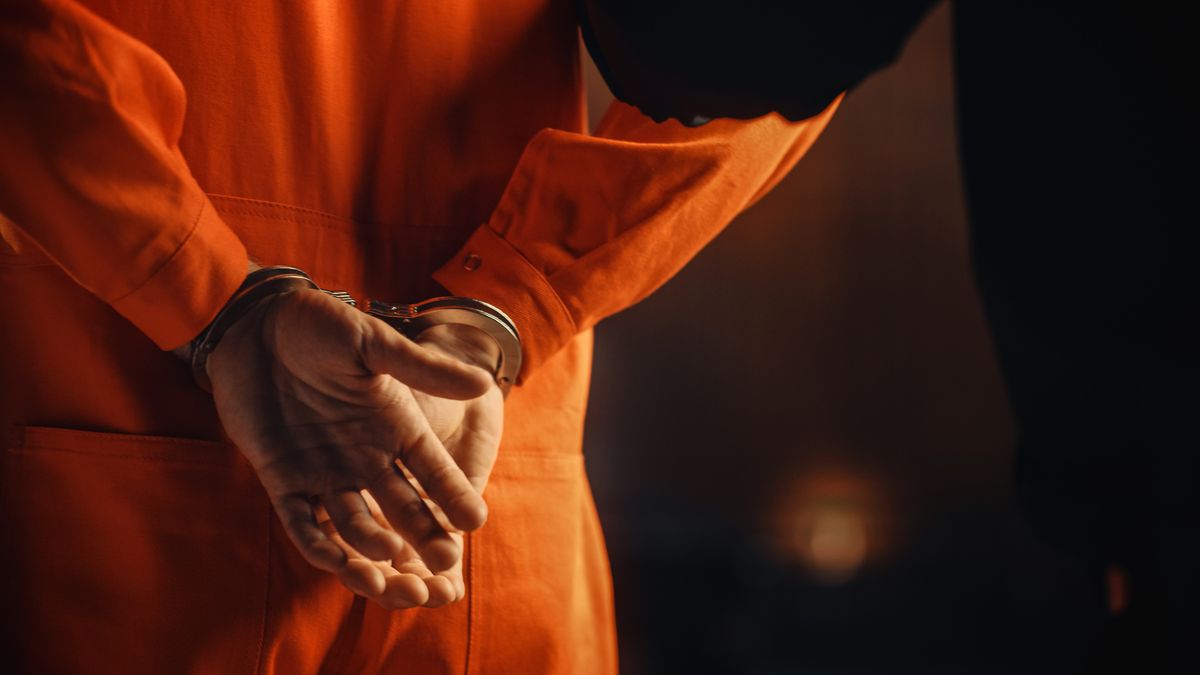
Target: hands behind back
<point x="323" y="400"/>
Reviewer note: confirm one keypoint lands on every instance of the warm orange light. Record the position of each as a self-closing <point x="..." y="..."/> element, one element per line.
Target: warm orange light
<point x="832" y="541"/>
<point x="831" y="520"/>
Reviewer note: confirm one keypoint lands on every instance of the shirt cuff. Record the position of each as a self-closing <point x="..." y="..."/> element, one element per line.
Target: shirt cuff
<point x="183" y="295"/>
<point x="488" y="268"/>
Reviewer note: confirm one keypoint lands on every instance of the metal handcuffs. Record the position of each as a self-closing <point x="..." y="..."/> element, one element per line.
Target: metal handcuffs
<point x="409" y="319"/>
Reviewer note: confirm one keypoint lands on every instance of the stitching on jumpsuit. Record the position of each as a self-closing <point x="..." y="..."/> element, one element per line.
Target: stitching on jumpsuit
<point x="166" y="263"/>
<point x="266" y="613"/>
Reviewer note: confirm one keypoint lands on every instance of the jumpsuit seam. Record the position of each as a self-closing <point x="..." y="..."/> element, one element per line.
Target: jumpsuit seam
<point x="265" y="208"/>
<point x="158" y="269"/>
<point x="267" y="203"/>
<point x="262" y="633"/>
<point x="471" y="590"/>
<point x="337" y="226"/>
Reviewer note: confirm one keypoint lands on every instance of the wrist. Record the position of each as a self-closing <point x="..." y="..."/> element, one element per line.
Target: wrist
<point x="260" y="285"/>
<point x="185" y="351"/>
<point x="472" y="321"/>
<point x="249" y="335"/>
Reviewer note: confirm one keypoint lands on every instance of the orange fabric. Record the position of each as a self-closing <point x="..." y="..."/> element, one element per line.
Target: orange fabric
<point x="148" y="148"/>
<point x="589" y="225"/>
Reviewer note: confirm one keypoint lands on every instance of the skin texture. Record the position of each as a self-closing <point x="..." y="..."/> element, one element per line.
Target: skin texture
<point x="336" y="412"/>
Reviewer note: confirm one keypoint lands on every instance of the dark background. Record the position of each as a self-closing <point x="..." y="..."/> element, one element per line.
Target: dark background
<point x="800" y="446"/>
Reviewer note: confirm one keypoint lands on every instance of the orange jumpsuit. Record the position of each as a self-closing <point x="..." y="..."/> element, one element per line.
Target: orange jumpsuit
<point x="146" y="148"/>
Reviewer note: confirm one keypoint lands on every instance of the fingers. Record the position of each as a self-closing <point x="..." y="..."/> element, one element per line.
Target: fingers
<point x="363" y="577"/>
<point x="358" y="527"/>
<point x="402" y="591"/>
<point x="411" y="584"/>
<point x="300" y="522"/>
<point x="441" y="591"/>
<point x="407" y="513"/>
<point x="385" y="351"/>
<point x="444" y="481"/>
<point x="400" y="584"/>
<point x="324" y="549"/>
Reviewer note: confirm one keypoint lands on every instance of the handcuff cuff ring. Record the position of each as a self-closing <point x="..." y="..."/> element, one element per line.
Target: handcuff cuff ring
<point x="408" y="319"/>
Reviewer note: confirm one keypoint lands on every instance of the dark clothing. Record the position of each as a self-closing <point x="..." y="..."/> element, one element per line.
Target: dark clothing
<point x="1076" y="140"/>
<point x="716" y="58"/>
<point x="1073" y="138"/>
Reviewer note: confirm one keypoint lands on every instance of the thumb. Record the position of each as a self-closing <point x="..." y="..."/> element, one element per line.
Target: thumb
<point x="384" y="351"/>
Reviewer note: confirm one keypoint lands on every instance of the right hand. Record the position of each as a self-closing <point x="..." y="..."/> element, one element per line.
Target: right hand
<point x="319" y="398"/>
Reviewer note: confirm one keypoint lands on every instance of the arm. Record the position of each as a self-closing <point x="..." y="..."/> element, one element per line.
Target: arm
<point x="590" y="225"/>
<point x="91" y="171"/>
<point x="89" y="124"/>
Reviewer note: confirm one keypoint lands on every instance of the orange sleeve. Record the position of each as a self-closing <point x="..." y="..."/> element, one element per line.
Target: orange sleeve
<point x="91" y="171"/>
<point x="590" y="225"/>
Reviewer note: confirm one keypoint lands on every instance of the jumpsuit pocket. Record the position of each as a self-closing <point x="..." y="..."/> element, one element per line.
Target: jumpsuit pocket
<point x="132" y="554"/>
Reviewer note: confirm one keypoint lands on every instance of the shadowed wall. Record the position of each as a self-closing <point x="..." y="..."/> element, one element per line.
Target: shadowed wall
<point x="800" y="446"/>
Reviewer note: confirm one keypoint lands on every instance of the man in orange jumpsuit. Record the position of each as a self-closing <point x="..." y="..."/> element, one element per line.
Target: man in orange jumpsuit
<point x="148" y="153"/>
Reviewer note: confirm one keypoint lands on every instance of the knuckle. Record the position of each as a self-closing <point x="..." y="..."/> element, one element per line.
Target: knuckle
<point x="380" y="543"/>
<point x="397" y="603"/>
<point x="380" y="480"/>
<point x="445" y="476"/>
<point x="415" y="517"/>
<point x="413" y="510"/>
<point x="360" y="522"/>
<point x="320" y="556"/>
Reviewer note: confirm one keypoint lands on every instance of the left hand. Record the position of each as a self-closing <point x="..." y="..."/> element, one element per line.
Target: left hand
<point x="402" y="582"/>
<point x="470" y="430"/>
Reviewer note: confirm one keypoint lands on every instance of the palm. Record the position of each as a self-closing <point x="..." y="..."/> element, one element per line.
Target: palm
<point x="469" y="429"/>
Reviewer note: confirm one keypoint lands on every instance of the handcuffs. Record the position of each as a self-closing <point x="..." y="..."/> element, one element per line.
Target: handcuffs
<point x="409" y="319"/>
